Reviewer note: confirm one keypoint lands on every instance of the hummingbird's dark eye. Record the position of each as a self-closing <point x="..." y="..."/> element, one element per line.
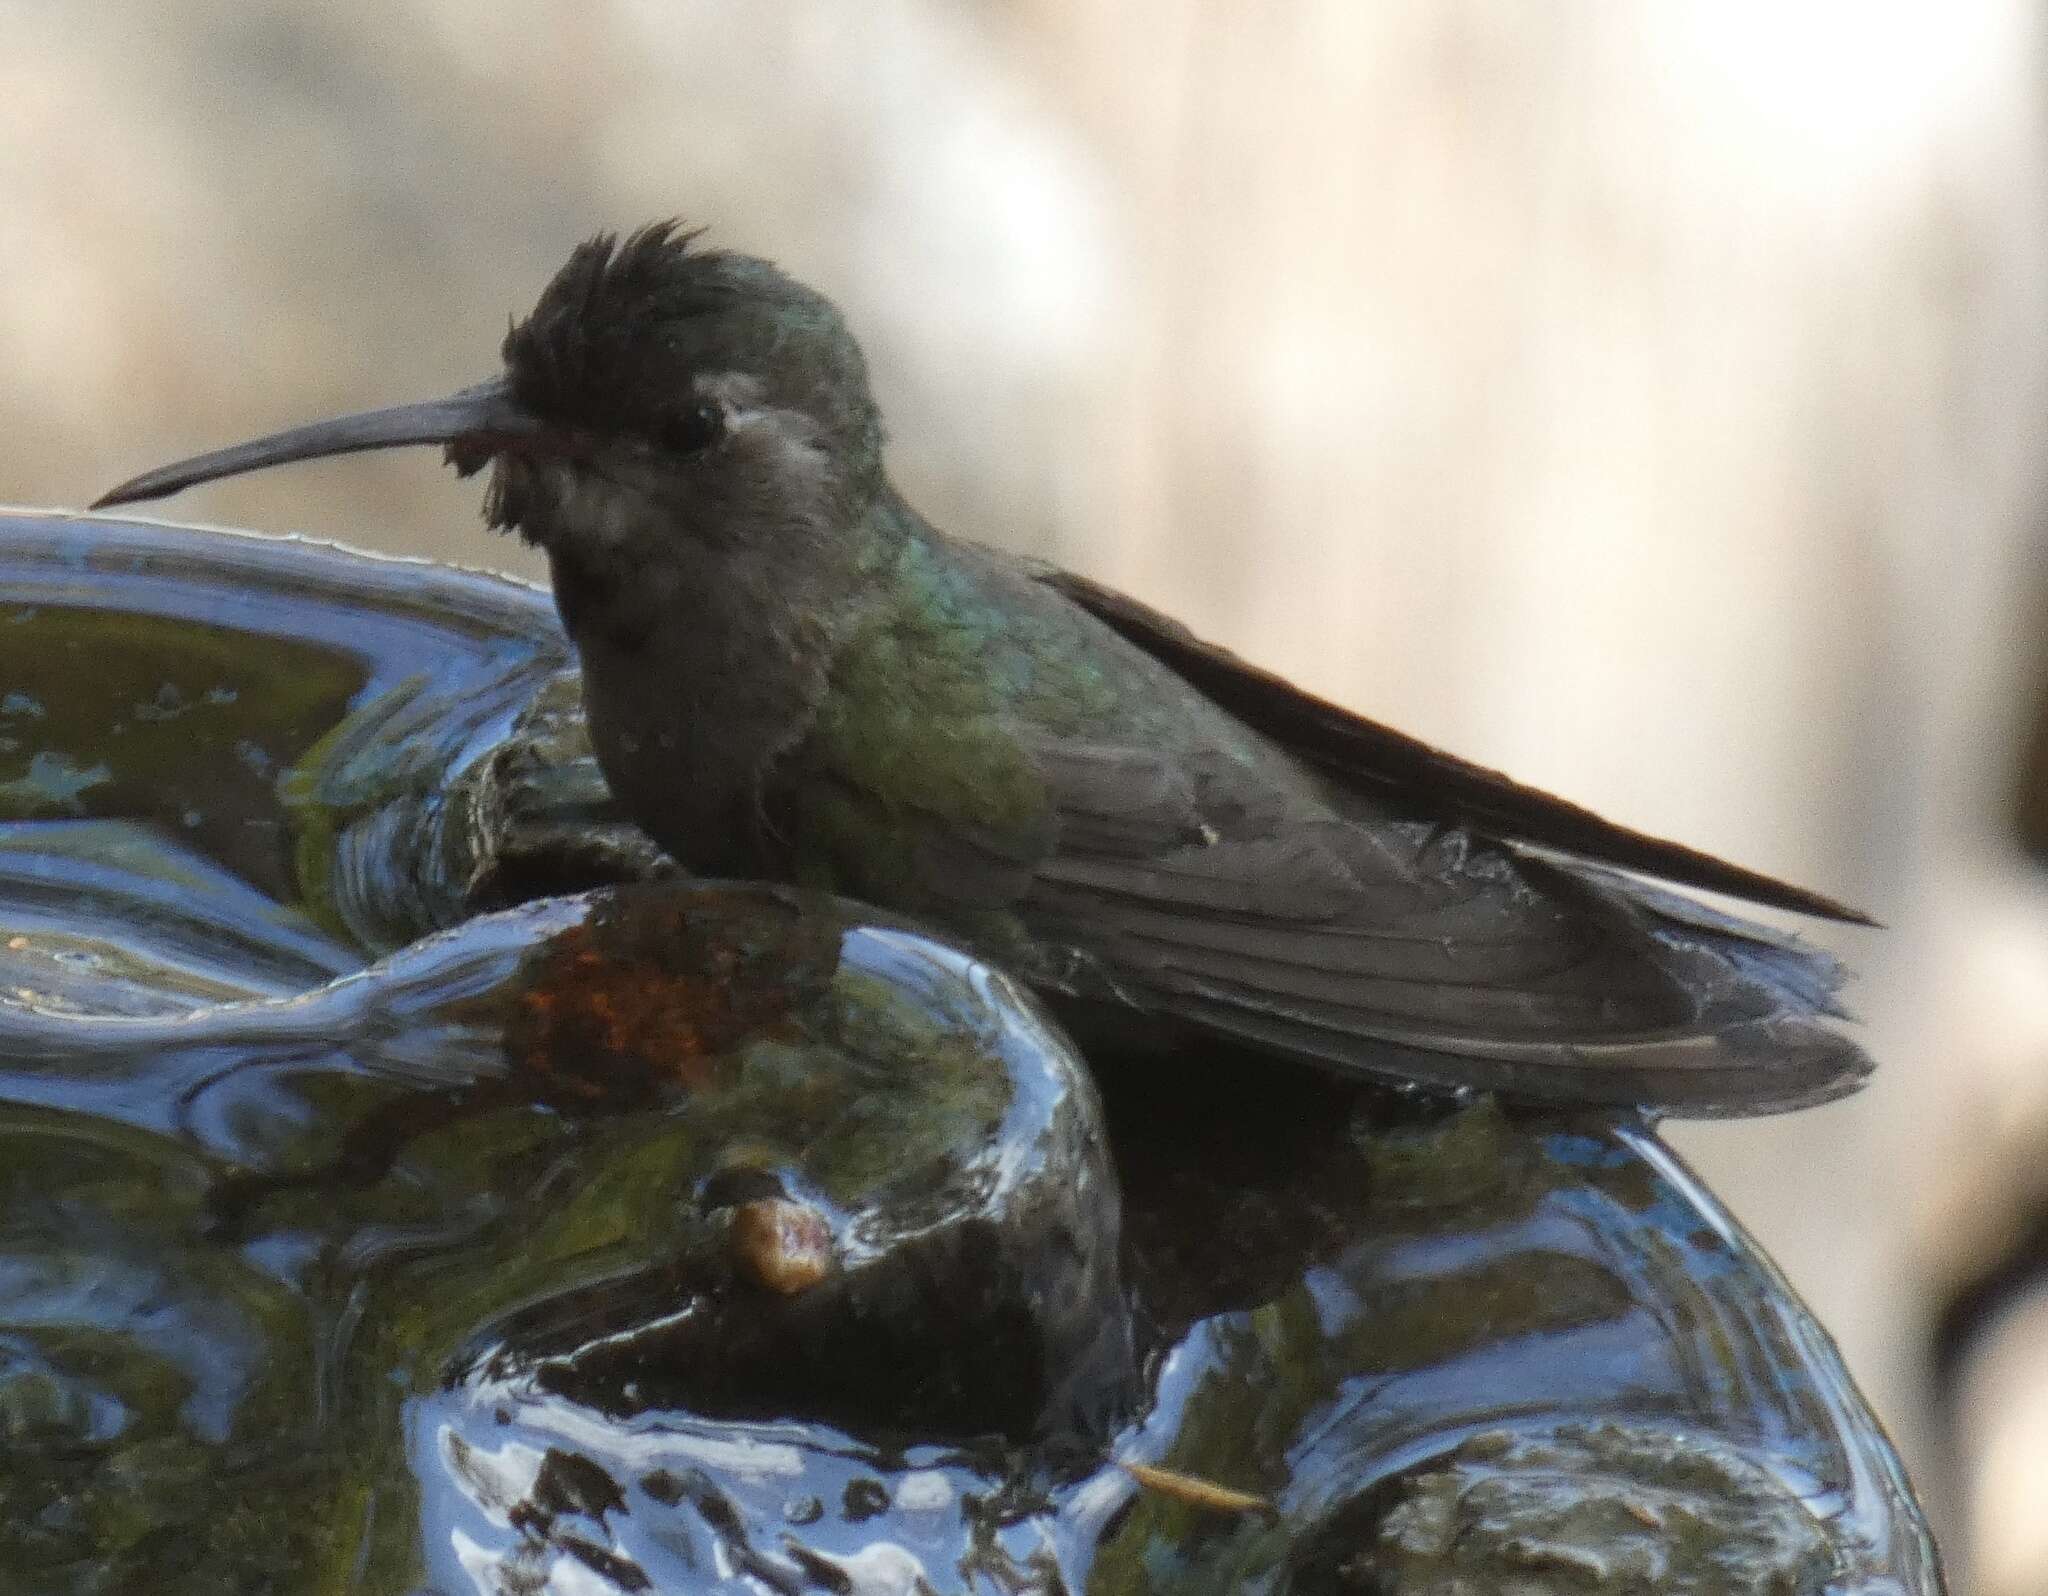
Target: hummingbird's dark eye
<point x="696" y="428"/>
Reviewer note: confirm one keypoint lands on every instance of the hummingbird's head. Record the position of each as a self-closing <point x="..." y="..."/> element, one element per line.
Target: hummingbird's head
<point x="703" y="387"/>
<point x="657" y="391"/>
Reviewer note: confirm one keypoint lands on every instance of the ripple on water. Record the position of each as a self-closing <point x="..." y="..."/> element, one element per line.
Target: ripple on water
<point x="737" y="1241"/>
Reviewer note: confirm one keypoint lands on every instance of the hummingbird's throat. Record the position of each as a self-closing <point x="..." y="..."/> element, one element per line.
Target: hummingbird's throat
<point x="564" y="507"/>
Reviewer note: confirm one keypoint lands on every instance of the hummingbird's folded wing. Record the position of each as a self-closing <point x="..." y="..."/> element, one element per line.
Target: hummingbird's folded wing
<point x="1415" y="952"/>
<point x="1409" y="775"/>
<point x="1130" y="847"/>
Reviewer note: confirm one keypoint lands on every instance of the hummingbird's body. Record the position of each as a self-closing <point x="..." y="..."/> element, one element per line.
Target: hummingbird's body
<point x="789" y="674"/>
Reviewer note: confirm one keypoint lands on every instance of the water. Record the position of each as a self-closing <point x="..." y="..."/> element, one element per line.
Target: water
<point x="366" y="1230"/>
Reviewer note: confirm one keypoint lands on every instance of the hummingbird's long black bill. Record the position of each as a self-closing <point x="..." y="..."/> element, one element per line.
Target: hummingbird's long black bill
<point x="485" y="414"/>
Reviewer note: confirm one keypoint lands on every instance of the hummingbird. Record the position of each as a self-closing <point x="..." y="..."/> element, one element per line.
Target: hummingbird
<point x="790" y="675"/>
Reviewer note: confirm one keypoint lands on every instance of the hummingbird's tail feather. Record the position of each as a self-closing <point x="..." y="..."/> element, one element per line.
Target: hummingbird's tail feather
<point x="1617" y="993"/>
<point x="1757" y="1067"/>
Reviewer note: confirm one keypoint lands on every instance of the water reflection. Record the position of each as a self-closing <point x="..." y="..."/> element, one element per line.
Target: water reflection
<point x="687" y="1236"/>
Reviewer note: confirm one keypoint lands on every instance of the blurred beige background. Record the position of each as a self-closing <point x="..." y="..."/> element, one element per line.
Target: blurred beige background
<point x="1648" y="400"/>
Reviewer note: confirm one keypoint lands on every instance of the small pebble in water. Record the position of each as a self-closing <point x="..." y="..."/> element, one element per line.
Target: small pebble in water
<point x="783" y="1245"/>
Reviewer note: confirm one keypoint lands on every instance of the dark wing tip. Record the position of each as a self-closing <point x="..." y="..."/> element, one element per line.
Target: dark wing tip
<point x="1410" y="772"/>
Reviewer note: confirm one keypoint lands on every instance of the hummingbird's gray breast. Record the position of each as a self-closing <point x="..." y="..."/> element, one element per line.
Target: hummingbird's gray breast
<point x="701" y="667"/>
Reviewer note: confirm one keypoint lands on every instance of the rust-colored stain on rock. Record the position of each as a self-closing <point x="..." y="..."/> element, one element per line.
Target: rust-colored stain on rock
<point x="645" y="996"/>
